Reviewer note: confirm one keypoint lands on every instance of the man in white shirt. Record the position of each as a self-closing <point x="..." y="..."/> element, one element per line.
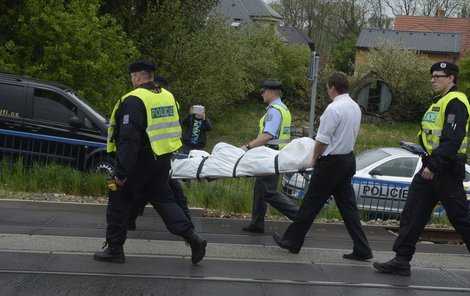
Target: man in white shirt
<point x="334" y="165"/>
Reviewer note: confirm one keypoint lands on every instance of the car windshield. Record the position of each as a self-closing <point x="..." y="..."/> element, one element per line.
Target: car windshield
<point x="366" y="158"/>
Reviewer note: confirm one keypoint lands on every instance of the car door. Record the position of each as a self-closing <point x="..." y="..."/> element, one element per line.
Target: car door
<point x="382" y="188"/>
<point x="12" y="112"/>
<point x="51" y="134"/>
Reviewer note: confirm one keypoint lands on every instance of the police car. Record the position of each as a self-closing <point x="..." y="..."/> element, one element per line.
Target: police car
<point x="382" y="180"/>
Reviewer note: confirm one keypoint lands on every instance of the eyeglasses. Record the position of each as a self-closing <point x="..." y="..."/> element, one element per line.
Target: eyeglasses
<point x="438" y="76"/>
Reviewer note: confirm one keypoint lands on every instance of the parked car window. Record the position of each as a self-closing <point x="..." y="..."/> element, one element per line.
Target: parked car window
<point x="12" y="100"/>
<point x="51" y="106"/>
<point x="398" y="167"/>
<point x="369" y="157"/>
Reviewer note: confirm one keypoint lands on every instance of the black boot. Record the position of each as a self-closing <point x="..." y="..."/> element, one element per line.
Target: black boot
<point x="113" y="253"/>
<point x="394" y="266"/>
<point x="198" y="246"/>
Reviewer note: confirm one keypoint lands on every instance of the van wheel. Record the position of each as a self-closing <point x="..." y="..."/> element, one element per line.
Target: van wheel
<point x="105" y="165"/>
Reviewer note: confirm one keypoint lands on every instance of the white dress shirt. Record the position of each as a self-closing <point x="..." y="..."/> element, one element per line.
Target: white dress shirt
<point x="339" y="125"/>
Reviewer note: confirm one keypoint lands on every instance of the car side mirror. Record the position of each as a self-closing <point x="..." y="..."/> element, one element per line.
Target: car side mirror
<point x="75" y="122"/>
<point x="376" y="172"/>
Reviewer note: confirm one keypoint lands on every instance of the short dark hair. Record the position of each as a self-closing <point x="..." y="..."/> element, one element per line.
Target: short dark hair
<point x="340" y="81"/>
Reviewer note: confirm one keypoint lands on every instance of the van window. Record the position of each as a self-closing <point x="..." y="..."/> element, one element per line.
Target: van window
<point x="51" y="106"/>
<point x="12" y="100"/>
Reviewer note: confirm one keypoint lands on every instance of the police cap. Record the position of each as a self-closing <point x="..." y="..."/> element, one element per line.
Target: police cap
<point x="141" y="65"/>
<point x="271" y="84"/>
<point x="448" y="68"/>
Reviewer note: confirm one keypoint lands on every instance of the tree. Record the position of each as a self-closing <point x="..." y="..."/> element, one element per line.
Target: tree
<point x="10" y="9"/>
<point x="293" y="70"/>
<point x="403" y="7"/>
<point x="327" y="22"/>
<point x="343" y="55"/>
<point x="464" y="75"/>
<point x="65" y="41"/>
<point x="406" y="71"/>
<point x="426" y="7"/>
<point x="378" y="16"/>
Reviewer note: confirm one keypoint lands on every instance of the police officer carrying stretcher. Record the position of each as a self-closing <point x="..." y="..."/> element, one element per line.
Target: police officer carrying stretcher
<point x="443" y="135"/>
<point x="274" y="132"/>
<point x="144" y="131"/>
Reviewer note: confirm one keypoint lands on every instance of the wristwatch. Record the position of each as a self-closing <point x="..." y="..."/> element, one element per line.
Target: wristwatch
<point x="247" y="146"/>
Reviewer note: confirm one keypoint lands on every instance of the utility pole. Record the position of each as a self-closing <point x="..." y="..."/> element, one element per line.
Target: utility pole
<point x="313" y="77"/>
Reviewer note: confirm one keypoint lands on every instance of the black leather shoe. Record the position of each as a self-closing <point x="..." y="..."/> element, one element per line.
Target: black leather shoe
<point x="394" y="266"/>
<point x="284" y="243"/>
<point x="113" y="253"/>
<point x="354" y="256"/>
<point x="253" y="229"/>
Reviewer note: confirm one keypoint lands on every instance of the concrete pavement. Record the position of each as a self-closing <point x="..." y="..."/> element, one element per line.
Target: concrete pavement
<point x="46" y="249"/>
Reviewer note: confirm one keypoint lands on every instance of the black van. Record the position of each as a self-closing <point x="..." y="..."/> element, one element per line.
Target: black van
<point x="42" y="121"/>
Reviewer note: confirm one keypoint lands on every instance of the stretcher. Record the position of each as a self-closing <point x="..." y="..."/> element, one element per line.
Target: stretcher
<point x="228" y="161"/>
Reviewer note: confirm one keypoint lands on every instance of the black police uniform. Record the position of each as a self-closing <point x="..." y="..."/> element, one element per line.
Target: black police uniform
<point x="446" y="186"/>
<point x="448" y="168"/>
<point x="141" y="200"/>
<point x="146" y="173"/>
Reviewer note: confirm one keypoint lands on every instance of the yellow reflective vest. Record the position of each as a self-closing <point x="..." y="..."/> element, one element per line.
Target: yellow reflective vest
<point x="433" y="122"/>
<point x="163" y="127"/>
<point x="284" y="132"/>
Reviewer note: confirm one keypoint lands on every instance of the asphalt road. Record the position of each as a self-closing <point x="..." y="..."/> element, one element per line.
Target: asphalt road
<point x="46" y="249"/>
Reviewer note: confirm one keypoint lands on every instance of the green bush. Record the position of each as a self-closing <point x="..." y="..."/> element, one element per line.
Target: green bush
<point x="67" y="42"/>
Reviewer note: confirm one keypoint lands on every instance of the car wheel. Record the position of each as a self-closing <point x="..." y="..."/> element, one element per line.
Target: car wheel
<point x="103" y="165"/>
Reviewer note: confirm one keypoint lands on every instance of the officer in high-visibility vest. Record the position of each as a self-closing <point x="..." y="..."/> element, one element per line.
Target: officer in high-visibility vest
<point x="141" y="200"/>
<point x="443" y="135"/>
<point x="274" y="132"/>
<point x="144" y="131"/>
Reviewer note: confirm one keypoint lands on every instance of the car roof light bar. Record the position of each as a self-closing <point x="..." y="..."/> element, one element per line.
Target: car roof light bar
<point x="412" y="147"/>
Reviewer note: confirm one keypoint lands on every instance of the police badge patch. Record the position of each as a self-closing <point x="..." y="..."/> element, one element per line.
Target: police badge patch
<point x="451" y="118"/>
<point x="269" y="117"/>
<point x="125" y="119"/>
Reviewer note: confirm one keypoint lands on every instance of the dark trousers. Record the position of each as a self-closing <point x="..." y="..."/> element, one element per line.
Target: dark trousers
<point x="264" y="192"/>
<point x="447" y="187"/>
<point x="141" y="200"/>
<point x="151" y="179"/>
<point x="331" y="176"/>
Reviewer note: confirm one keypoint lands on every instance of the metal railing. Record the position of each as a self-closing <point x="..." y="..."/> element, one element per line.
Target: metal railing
<point x="32" y="148"/>
<point x="376" y="199"/>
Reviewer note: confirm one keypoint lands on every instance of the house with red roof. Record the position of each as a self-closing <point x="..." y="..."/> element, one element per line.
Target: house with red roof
<point x="438" y="37"/>
<point x="437" y="24"/>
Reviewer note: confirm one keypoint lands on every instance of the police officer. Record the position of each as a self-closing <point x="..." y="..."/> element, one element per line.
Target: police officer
<point x="443" y="135"/>
<point x="334" y="165"/>
<point x="141" y="200"/>
<point x="274" y="132"/>
<point x="144" y="131"/>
